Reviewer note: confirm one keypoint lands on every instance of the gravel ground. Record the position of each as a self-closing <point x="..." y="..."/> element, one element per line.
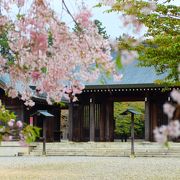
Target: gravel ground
<point x="89" y="168"/>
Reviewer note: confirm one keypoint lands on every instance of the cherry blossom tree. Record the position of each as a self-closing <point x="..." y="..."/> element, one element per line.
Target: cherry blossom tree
<point x="46" y="53"/>
<point x="172" y="130"/>
<point x="12" y="129"/>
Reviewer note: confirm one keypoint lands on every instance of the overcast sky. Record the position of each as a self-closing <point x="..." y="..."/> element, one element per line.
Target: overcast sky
<point x="110" y="20"/>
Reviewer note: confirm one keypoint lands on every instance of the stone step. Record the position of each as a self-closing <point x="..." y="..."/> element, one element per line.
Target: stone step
<point x="107" y="149"/>
<point x="107" y="154"/>
<point x="80" y="147"/>
<point x="111" y="149"/>
<point x="137" y="146"/>
<point x="103" y="145"/>
<point x="14" y="149"/>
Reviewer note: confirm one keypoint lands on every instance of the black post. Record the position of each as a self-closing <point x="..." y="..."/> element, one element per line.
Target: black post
<point x="107" y="121"/>
<point x="147" y="120"/>
<point x="132" y="134"/>
<point x="92" y="120"/>
<point x="70" y="120"/>
<point x="44" y="137"/>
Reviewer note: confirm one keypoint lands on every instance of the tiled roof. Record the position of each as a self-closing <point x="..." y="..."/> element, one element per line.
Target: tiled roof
<point x="133" y="75"/>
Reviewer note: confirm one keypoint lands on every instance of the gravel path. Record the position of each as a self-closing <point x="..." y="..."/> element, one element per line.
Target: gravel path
<point x="89" y="168"/>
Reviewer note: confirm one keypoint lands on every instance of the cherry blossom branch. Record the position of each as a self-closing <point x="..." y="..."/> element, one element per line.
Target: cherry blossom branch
<point x="172" y="130"/>
<point x="68" y="11"/>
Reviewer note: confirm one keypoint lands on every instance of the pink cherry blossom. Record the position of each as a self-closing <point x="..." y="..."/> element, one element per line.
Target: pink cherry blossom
<point x="23" y="143"/>
<point x="175" y="94"/>
<point x="21" y="135"/>
<point x="19" y="124"/>
<point x="35" y="75"/>
<point x="3" y="21"/>
<point x="145" y="10"/>
<point x="169" y="110"/>
<point x="108" y="2"/>
<point x="152" y="5"/>
<point x="77" y="90"/>
<point x="20" y="3"/>
<point x="50" y="56"/>
<point x="11" y="123"/>
<point x="160" y="134"/>
<point x="39" y="41"/>
<point x="29" y="103"/>
<point x="83" y="18"/>
<point x="12" y="93"/>
<point x="174" y="129"/>
<point x="149" y="8"/>
<point x="75" y="99"/>
<point x="51" y="66"/>
<point x="5" y="138"/>
<point x="131" y="21"/>
<point x="10" y="138"/>
<point x="118" y="77"/>
<point x="68" y="90"/>
<point x="128" y="57"/>
<point x="2" y="61"/>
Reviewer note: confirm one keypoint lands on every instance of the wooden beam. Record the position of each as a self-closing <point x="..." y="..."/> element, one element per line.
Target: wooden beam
<point x="44" y="136"/>
<point x="81" y="111"/>
<point x="132" y="134"/>
<point x="70" y="121"/>
<point x="92" y="119"/>
<point x="59" y="129"/>
<point x="153" y="119"/>
<point x="147" y="121"/>
<point x="111" y="121"/>
<point x="107" y="121"/>
<point x="102" y="122"/>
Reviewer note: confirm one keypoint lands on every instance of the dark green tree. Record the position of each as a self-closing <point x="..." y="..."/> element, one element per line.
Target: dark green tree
<point x="101" y="29"/>
<point x="161" y="48"/>
<point x="123" y="122"/>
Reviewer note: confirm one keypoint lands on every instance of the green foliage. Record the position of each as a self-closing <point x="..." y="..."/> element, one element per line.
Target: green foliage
<point x="50" y="39"/>
<point x="61" y="104"/>
<point x="118" y="62"/>
<point x="101" y="29"/>
<point x="44" y="70"/>
<point x="5" y="50"/>
<point x="30" y="133"/>
<point x="77" y="28"/>
<point x="4" y="46"/>
<point x="5" y="115"/>
<point x="163" y="53"/>
<point x="123" y="122"/>
<point x="161" y="48"/>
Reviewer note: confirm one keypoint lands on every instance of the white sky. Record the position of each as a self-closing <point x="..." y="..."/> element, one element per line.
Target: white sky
<point x="111" y="21"/>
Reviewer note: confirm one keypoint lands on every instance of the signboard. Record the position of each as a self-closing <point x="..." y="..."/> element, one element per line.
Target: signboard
<point x="31" y="121"/>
